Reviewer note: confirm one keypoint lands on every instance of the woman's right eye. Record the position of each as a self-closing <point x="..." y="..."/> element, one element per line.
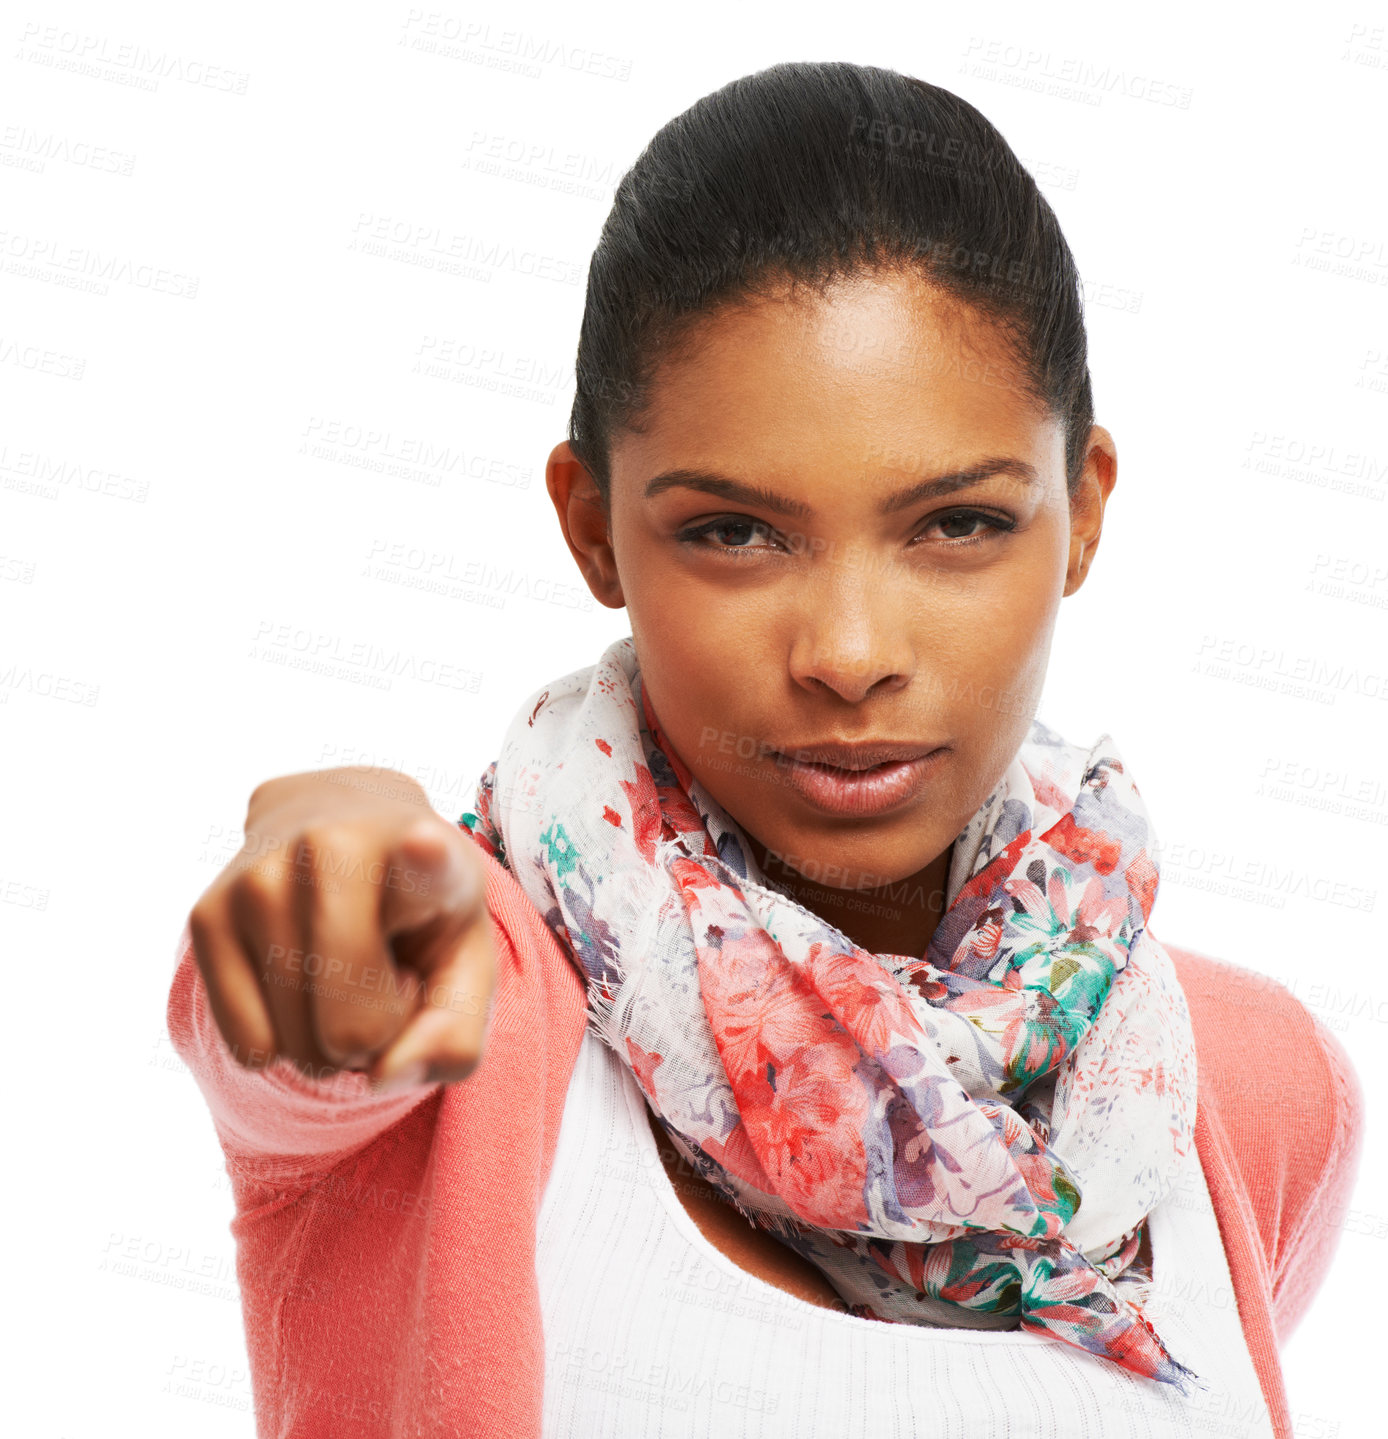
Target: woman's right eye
<point x="727" y="525"/>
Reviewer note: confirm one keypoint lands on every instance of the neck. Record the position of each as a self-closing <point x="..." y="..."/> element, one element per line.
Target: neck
<point x="897" y="918"/>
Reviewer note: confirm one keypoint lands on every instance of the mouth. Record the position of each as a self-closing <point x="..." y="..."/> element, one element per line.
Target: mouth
<point x="858" y="754"/>
<point x="859" y="779"/>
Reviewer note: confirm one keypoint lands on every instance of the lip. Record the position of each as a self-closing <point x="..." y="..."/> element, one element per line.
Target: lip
<point x="863" y="779"/>
<point x="857" y="754"/>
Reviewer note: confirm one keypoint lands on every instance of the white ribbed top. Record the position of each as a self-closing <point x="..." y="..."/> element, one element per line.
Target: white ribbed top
<point x="652" y="1333"/>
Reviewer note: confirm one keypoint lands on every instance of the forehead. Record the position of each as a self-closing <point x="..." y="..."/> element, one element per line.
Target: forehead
<point x="879" y="371"/>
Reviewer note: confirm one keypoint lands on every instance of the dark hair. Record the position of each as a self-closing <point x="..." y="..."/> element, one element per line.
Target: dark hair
<point x="804" y="172"/>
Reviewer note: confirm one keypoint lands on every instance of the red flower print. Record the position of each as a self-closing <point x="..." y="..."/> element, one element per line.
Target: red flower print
<point x="921" y="978"/>
<point x="982" y="941"/>
<point x="1003" y="863"/>
<point x="645" y="811"/>
<point x="759" y="1007"/>
<point x="864" y="998"/>
<point x="680" y="815"/>
<point x="1083" y="845"/>
<point x="809" y="1137"/>
<point x="644" y="1062"/>
<point x="1048" y="792"/>
<point x="1142" y="880"/>
<point x="736" y="1155"/>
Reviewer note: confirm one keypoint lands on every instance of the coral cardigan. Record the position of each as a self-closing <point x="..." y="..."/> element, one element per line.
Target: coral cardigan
<point x="385" y="1243"/>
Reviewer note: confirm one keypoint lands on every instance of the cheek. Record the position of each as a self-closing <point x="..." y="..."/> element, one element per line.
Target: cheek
<point x="997" y="627"/>
<point x="696" y="675"/>
<point x="990" y="673"/>
<point x="690" y="650"/>
<point x="1023" y="607"/>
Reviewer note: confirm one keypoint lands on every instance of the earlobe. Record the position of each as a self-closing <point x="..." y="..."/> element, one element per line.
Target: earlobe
<point x="583" y="518"/>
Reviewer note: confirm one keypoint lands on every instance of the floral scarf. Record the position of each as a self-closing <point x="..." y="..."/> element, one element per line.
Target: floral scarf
<point x="974" y="1138"/>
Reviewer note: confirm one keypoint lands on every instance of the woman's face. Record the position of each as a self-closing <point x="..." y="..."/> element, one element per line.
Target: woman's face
<point x="839" y="605"/>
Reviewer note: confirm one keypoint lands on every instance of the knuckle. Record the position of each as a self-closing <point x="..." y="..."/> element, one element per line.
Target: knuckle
<point x="426" y="830"/>
<point x="262" y="792"/>
<point x="325" y="843"/>
<point x="256" y="888"/>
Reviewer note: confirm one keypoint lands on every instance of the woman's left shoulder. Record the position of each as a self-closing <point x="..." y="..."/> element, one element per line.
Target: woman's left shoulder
<point x="1291" y="1104"/>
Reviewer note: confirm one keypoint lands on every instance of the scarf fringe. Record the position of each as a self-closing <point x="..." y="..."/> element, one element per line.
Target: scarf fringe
<point x="643" y="908"/>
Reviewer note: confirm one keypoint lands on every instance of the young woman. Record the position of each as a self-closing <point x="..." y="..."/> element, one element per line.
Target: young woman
<point x="814" y="1069"/>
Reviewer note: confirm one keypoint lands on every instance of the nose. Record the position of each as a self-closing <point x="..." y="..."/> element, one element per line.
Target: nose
<point x="851" y="637"/>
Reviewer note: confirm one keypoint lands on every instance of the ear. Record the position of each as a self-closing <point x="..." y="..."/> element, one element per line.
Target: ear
<point x="1087" y="505"/>
<point x="583" y="516"/>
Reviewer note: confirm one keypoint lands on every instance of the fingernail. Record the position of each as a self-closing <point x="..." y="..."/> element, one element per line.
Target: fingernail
<point x="415" y="1072"/>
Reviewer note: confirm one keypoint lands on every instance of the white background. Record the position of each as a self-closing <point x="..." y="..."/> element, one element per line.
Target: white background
<point x="1234" y="247"/>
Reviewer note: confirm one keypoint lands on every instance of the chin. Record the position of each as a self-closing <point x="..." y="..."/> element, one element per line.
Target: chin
<point x="854" y="862"/>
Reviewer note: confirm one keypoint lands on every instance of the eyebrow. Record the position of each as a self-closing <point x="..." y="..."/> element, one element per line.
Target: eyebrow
<point x="740" y="492"/>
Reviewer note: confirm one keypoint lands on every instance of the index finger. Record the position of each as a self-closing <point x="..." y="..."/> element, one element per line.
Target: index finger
<point x="233" y="988"/>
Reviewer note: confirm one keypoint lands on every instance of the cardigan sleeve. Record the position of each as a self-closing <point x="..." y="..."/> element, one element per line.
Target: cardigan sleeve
<point x="278" y="1124"/>
<point x="385" y="1244"/>
<point x="1292" y="1106"/>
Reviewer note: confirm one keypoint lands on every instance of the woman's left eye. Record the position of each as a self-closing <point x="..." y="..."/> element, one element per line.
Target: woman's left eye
<point x="996" y="523"/>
